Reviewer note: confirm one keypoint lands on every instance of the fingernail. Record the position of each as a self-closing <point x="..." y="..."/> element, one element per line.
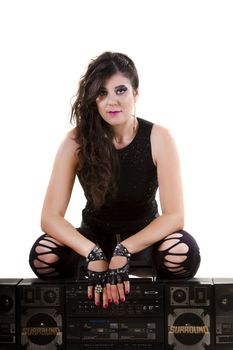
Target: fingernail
<point x="97" y="303"/>
<point x="122" y="299"/>
<point x="105" y="306"/>
<point x="109" y="300"/>
<point x="126" y="292"/>
<point x="89" y="296"/>
<point x="116" y="302"/>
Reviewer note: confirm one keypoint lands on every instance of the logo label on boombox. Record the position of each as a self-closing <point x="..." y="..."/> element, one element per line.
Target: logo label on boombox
<point x="41" y="331"/>
<point x="188" y="329"/>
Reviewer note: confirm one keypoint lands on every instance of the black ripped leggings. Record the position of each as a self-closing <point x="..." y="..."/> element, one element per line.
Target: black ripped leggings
<point x="176" y="256"/>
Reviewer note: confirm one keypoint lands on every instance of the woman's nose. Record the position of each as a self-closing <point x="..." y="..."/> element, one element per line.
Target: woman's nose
<point x="112" y="99"/>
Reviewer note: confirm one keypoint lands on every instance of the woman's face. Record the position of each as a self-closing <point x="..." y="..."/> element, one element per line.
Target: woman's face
<point x="116" y="101"/>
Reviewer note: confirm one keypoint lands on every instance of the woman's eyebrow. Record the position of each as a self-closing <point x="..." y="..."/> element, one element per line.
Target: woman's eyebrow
<point x="115" y="88"/>
<point x="119" y="86"/>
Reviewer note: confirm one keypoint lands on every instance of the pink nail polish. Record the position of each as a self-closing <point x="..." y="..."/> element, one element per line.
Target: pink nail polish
<point x="116" y="302"/>
<point x="90" y="296"/>
<point x="105" y="306"/>
<point x="122" y="299"/>
<point x="109" y="300"/>
<point x="97" y="303"/>
<point x="126" y="292"/>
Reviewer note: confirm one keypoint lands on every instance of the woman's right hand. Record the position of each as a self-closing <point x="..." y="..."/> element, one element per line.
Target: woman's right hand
<point x="97" y="268"/>
<point x="100" y="266"/>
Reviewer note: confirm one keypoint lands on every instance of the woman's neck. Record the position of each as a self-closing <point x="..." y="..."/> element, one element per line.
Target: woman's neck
<point x="124" y="134"/>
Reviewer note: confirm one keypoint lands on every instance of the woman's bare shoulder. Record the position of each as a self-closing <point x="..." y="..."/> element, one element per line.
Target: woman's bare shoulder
<point x="70" y="136"/>
<point x="160" y="133"/>
<point x="69" y="139"/>
<point x="162" y="141"/>
<point x="68" y="147"/>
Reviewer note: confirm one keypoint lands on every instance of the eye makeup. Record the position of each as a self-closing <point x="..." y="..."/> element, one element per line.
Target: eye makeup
<point x="119" y="90"/>
<point x="102" y="92"/>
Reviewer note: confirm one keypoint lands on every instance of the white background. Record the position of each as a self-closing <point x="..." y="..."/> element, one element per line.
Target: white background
<point x="184" y="54"/>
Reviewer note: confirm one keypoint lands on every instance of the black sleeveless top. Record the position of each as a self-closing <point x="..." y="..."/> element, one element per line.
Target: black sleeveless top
<point x="134" y="205"/>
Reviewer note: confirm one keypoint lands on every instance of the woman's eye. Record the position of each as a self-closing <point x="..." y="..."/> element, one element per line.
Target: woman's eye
<point x="121" y="91"/>
<point x="102" y="93"/>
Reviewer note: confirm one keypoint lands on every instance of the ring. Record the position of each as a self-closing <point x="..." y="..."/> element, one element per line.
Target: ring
<point x="98" y="288"/>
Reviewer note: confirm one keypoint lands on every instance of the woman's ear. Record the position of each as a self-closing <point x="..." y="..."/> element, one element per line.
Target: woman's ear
<point x="136" y="93"/>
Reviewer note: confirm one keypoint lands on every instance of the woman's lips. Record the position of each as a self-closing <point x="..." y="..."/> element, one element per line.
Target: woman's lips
<point x="114" y="112"/>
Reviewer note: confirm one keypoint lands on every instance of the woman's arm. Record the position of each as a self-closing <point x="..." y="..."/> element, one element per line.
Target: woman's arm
<point x="166" y="159"/>
<point x="58" y="196"/>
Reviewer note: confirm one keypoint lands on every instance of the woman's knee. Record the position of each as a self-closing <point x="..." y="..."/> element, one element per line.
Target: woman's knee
<point x="43" y="255"/>
<point x="49" y="258"/>
<point x="177" y="256"/>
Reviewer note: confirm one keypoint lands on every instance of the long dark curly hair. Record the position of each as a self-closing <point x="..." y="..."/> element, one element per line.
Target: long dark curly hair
<point x="98" y="160"/>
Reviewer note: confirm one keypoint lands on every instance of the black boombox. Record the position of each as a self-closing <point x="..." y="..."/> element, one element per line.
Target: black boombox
<point x="192" y="314"/>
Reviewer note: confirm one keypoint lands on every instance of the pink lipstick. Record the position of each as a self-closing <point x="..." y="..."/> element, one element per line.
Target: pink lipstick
<point x="113" y="113"/>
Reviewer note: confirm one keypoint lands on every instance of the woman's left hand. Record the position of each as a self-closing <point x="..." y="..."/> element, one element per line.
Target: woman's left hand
<point x="117" y="291"/>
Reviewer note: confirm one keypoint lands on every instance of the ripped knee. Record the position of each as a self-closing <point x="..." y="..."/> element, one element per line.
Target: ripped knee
<point x="176" y="254"/>
<point x="45" y="257"/>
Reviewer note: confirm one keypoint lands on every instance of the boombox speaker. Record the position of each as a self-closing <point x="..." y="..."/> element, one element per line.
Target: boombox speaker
<point x="189" y="314"/>
<point x="223" y="291"/>
<point x="41" y="315"/>
<point x="8" y="313"/>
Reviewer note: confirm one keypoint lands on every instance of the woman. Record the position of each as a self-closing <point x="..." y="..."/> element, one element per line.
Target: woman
<point x="120" y="161"/>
